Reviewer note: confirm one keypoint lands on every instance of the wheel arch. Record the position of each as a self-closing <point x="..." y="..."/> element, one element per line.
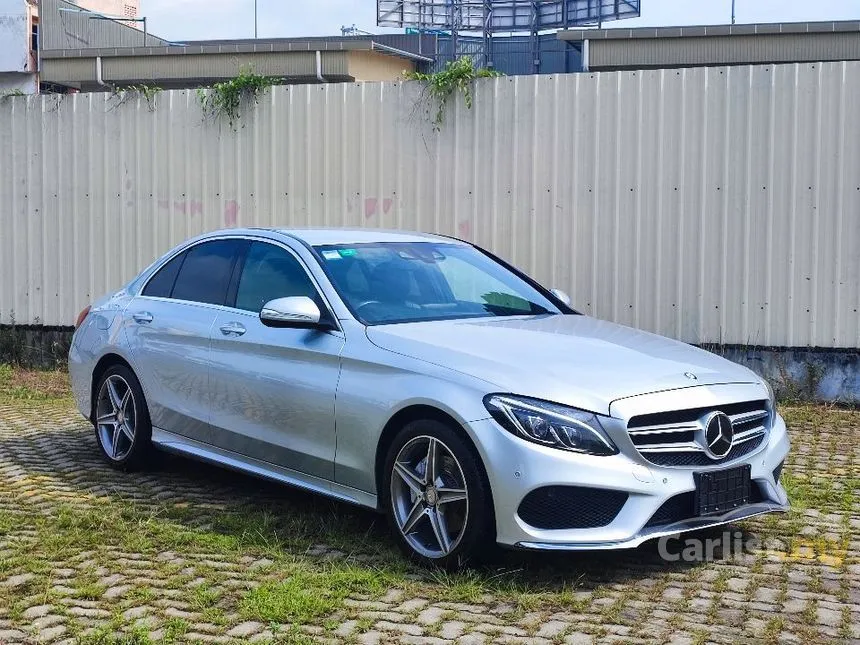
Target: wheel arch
<point x="103" y="365"/>
<point x="416" y="412"/>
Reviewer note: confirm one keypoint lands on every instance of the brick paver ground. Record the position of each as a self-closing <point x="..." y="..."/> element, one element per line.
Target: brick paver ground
<point x="186" y="552"/>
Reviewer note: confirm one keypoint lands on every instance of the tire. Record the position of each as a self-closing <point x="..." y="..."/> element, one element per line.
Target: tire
<point x="443" y="522"/>
<point x="121" y="420"/>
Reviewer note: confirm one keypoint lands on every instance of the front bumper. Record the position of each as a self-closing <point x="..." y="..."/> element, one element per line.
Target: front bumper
<point x="516" y="467"/>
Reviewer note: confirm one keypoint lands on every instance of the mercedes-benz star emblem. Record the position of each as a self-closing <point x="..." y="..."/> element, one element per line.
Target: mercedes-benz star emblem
<point x="719" y="435"/>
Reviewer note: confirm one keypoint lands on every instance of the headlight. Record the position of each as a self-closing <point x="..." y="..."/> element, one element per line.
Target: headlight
<point x="550" y="424"/>
<point x="770" y="394"/>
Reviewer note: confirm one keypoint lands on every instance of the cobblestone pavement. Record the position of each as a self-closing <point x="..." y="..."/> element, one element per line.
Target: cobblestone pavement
<point x="186" y="552"/>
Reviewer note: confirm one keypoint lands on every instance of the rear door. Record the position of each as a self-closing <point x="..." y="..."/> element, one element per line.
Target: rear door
<point x="273" y="389"/>
<point x="168" y="327"/>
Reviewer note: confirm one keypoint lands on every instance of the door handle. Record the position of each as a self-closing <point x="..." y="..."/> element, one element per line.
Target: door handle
<point x="233" y="329"/>
<point x="143" y="317"/>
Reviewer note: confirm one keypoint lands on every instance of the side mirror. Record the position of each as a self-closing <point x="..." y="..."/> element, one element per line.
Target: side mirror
<point x="561" y="295"/>
<point x="295" y="311"/>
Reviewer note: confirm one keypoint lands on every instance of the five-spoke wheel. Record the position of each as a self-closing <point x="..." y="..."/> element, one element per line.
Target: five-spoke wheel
<point x="437" y="497"/>
<point x="121" y="418"/>
<point x="429" y="496"/>
<point x="115" y="417"/>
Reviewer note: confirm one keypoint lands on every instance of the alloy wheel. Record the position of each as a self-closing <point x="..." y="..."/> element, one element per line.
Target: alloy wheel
<point x="116" y="417"/>
<point x="429" y="497"/>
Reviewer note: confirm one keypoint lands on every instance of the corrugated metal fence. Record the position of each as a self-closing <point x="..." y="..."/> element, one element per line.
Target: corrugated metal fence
<point x="712" y="205"/>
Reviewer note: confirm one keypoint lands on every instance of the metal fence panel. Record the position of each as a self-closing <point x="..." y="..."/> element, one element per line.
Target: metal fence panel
<point x="708" y="204"/>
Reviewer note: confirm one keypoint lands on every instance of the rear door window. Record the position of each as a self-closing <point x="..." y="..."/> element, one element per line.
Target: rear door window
<point x="205" y="273"/>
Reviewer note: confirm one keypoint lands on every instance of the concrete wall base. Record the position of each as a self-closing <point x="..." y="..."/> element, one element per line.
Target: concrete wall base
<point x="802" y="374"/>
<point x="35" y="346"/>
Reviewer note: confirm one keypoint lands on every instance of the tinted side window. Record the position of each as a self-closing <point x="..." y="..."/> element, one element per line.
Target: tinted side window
<point x="271" y="272"/>
<point x="162" y="282"/>
<point x="205" y="274"/>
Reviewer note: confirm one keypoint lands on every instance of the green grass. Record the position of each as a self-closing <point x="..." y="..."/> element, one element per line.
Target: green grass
<point x="204" y="597"/>
<point x="107" y="635"/>
<point x="306" y="596"/>
<point x="18" y="385"/>
<point x="821" y="493"/>
<point x="297" y="588"/>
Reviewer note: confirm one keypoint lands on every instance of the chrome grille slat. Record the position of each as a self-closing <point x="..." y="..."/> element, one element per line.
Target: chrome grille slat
<point x="674" y="438"/>
<point x="747" y="417"/>
<point x="746" y="435"/>
<point x="664" y="428"/>
<point x="671" y="447"/>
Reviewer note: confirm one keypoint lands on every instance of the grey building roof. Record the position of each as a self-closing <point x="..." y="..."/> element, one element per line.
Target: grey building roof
<point x="76" y="43"/>
<point x="708" y="45"/>
<point x="239" y="47"/>
<point x="712" y="30"/>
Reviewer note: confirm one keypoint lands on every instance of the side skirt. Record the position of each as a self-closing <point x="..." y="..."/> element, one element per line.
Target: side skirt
<point x="177" y="444"/>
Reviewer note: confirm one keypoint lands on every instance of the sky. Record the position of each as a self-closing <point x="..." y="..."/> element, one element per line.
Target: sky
<point x="179" y="20"/>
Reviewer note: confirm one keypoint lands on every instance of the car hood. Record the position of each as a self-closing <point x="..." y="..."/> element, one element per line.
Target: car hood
<point x="575" y="360"/>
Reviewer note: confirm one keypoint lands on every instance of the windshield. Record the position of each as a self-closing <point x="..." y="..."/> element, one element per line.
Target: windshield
<point x="409" y="282"/>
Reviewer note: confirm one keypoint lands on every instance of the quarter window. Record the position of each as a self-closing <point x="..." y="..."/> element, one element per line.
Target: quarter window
<point x="205" y="274"/>
<point x="270" y="272"/>
<point x="161" y="284"/>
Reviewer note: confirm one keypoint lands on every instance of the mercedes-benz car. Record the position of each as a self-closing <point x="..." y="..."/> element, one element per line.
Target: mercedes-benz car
<point x="424" y="377"/>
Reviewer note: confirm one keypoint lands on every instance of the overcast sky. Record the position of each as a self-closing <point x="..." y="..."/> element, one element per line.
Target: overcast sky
<point x="207" y="19"/>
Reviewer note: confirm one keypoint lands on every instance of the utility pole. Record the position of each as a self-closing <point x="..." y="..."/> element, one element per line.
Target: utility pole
<point x="733" y="11"/>
<point x="255" y="18"/>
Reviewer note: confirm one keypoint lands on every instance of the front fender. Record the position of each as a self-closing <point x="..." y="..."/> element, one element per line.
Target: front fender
<point x="371" y="391"/>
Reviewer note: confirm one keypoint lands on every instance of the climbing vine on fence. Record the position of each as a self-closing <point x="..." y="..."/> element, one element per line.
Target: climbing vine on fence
<point x="147" y="91"/>
<point x="456" y="76"/>
<point x="225" y="100"/>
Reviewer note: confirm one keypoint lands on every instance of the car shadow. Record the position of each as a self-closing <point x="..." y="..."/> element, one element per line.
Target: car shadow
<point x="267" y="516"/>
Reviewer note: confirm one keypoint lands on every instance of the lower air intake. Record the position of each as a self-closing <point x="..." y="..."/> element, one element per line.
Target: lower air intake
<point x="777" y="472"/>
<point x="570" y="507"/>
<point x="681" y="507"/>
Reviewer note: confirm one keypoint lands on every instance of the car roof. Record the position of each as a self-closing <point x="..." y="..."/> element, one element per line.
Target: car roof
<point x="323" y="236"/>
<point x="326" y="236"/>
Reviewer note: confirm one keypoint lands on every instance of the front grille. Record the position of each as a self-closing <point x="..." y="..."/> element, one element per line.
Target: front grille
<point x="682" y="507"/>
<point x="693" y="458"/>
<point x="677" y="438"/>
<point x="570" y="507"/>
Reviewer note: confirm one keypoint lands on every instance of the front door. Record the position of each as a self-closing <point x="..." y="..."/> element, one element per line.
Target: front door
<point x="273" y="389"/>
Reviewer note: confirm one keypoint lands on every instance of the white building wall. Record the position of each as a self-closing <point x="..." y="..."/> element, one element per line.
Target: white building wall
<point x="15" y="36"/>
<point x="707" y="204"/>
<point x="12" y="83"/>
<point x="125" y="8"/>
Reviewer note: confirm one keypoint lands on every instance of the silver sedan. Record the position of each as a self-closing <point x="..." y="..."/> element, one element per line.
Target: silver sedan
<point x="422" y="376"/>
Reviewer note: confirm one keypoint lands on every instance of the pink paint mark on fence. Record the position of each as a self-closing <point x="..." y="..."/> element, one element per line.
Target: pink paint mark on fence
<point x="371" y="204"/>
<point x="231" y="213"/>
<point x="386" y="204"/>
<point x="464" y="230"/>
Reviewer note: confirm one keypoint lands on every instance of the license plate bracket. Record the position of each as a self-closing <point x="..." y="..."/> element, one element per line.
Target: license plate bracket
<point x="719" y="491"/>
